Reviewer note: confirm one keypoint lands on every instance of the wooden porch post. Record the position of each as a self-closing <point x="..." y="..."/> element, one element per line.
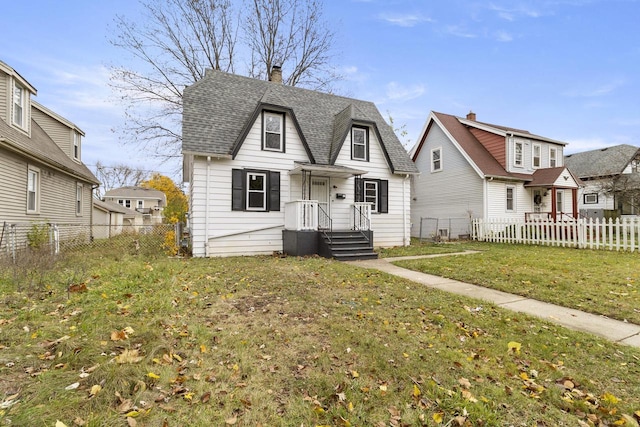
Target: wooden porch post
<point x="574" y="196"/>
<point x="554" y="213"/>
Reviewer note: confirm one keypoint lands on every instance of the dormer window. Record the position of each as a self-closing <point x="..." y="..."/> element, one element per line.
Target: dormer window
<point x="19" y="106"/>
<point x="360" y="144"/>
<point x="76" y="145"/>
<point x="273" y="131"/>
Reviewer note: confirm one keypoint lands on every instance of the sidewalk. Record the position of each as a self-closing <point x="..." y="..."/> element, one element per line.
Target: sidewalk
<point x="613" y="330"/>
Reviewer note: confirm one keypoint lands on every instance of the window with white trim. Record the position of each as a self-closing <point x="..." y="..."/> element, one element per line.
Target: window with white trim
<point x="559" y="201"/>
<point x="140" y="204"/>
<point x="273" y="131"/>
<point x="537" y="154"/>
<point x="125" y="202"/>
<point x="511" y="199"/>
<point x="374" y="192"/>
<point x="359" y="143"/>
<point x="33" y="190"/>
<point x="553" y="153"/>
<point x="590" y="198"/>
<point x="79" y="189"/>
<point x="255" y="190"/>
<point x="436" y="159"/>
<point x="76" y="145"/>
<point x="19" y="116"/>
<point x="517" y="153"/>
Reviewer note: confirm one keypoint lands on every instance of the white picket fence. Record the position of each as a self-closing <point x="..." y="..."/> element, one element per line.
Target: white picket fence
<point x="620" y="234"/>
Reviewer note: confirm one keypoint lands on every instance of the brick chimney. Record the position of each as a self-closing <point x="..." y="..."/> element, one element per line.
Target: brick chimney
<point x="471" y="116"/>
<point x="276" y="74"/>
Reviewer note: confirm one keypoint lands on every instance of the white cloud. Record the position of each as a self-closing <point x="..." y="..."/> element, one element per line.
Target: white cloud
<point x="598" y="91"/>
<point x="404" y="20"/>
<point x="458" y="31"/>
<point x="513" y="13"/>
<point x="398" y="92"/>
<point x="503" y="36"/>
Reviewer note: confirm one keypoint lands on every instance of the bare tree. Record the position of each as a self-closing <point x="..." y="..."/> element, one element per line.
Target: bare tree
<point x="116" y="176"/>
<point x="625" y="189"/>
<point x="290" y="34"/>
<point x="178" y="39"/>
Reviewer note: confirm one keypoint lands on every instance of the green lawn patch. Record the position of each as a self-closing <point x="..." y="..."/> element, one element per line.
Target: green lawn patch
<point x="600" y="282"/>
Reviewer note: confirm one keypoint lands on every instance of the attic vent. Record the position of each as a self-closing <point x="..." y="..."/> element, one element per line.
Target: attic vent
<point x="605" y="149"/>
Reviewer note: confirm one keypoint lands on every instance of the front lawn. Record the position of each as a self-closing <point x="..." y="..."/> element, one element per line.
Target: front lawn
<point x="597" y="281"/>
<point x="125" y="340"/>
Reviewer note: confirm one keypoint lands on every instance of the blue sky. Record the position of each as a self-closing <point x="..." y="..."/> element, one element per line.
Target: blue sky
<point x="564" y="69"/>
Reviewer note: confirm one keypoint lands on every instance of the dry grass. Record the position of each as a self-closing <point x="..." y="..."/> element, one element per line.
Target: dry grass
<point x="287" y="341"/>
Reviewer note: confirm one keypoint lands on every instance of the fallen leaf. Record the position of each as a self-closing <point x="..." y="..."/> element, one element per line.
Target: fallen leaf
<point x="60" y="424"/>
<point x="152" y="375"/>
<point x="131" y="422"/>
<point x="465" y="383"/>
<point x="416" y="391"/>
<point x="231" y="421"/>
<point x="205" y="397"/>
<point x="514" y="347"/>
<point x="118" y="336"/>
<point x="72" y="386"/>
<point x="437" y="417"/>
<point x="95" y="390"/>
<point x="128" y="356"/>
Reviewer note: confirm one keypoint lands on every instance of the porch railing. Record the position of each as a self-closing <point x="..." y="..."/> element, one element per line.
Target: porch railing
<point x="301" y="215"/>
<point x="361" y="216"/>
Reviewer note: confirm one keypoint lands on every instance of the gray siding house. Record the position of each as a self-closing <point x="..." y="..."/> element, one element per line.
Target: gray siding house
<point x="42" y="175"/>
<point x="611" y="178"/>
<point x="471" y="169"/>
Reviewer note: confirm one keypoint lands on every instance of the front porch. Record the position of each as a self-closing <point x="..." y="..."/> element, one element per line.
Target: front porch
<point x="309" y="230"/>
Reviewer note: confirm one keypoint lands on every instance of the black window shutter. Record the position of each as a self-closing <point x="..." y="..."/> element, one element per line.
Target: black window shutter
<point x="237" y="190"/>
<point x="383" y="197"/>
<point x="274" y="191"/>
<point x="359" y="190"/>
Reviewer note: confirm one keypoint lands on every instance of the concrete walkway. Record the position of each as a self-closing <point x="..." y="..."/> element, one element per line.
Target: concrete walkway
<point x="613" y="330"/>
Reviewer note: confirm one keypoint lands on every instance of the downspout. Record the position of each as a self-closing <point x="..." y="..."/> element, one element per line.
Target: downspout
<point x="405" y="239"/>
<point x="206" y="209"/>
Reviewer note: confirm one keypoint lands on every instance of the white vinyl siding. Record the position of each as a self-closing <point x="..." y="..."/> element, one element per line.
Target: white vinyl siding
<point x="242" y="232"/>
<point x="388" y="228"/>
<point x="497" y="196"/>
<point x="455" y="192"/>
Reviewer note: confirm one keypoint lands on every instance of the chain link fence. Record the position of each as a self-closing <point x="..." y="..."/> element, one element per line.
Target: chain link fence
<point x="444" y="229"/>
<point x="18" y="239"/>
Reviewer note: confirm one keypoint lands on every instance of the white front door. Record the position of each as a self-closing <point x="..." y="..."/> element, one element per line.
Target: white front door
<point x="320" y="192"/>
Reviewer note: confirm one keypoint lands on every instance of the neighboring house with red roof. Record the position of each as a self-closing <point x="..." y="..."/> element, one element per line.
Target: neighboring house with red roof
<point x="273" y="167"/>
<point x="42" y="175"/>
<point x="471" y="169"/>
<point x="611" y="177"/>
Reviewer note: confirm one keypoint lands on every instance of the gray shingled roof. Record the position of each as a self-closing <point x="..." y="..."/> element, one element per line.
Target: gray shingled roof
<point x="43" y="148"/>
<point x="219" y="109"/>
<point x="603" y="162"/>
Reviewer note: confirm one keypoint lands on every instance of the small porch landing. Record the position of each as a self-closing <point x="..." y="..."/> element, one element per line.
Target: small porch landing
<point x="343" y="245"/>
